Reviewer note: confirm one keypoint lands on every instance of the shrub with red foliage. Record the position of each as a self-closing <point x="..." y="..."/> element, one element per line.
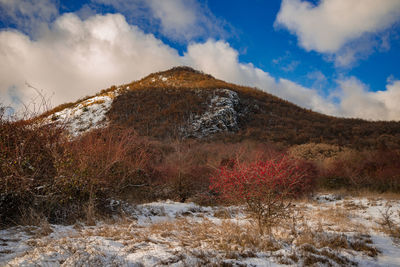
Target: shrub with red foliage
<point x="266" y="187"/>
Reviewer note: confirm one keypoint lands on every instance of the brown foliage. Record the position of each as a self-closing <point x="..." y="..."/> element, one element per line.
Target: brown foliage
<point x="316" y="152"/>
<point x="28" y="155"/>
<point x="159" y="112"/>
<point x="185" y="171"/>
<point x="112" y="158"/>
<point x="42" y="172"/>
<point x="376" y="170"/>
<point x="159" y="104"/>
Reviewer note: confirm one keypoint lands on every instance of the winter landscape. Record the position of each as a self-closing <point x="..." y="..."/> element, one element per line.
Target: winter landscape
<point x="199" y="133"/>
<point x="328" y="230"/>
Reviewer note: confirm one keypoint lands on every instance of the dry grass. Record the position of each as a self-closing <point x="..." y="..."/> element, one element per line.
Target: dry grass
<point x="373" y="195"/>
<point x="314" y="257"/>
<point x="226" y="237"/>
<point x="329" y="244"/>
<point x="230" y="237"/>
<point x="338" y="218"/>
<point x="222" y="214"/>
<point x="316" y="151"/>
<point x="307" y="241"/>
<point x="350" y="205"/>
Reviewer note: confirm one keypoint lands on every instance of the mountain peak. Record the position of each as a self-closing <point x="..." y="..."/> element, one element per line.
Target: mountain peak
<point x="178" y="77"/>
<point x="182" y="102"/>
<point x="183" y="72"/>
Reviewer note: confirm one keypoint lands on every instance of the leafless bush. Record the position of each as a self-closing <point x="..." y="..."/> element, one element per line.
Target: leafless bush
<point x="389" y="223"/>
<point x="27" y="159"/>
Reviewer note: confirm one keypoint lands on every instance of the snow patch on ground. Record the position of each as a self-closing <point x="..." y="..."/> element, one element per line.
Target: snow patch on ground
<point x="368" y="214"/>
<point x="168" y="233"/>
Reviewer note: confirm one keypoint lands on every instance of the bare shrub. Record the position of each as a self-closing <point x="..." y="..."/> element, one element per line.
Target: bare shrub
<point x="27" y="166"/>
<point x="184" y="171"/>
<point x="388" y="222"/>
<point x="105" y="163"/>
<point x="44" y="172"/>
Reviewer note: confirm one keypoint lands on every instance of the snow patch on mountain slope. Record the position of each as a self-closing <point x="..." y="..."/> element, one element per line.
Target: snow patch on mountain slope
<point x="159" y="78"/>
<point x="87" y="115"/>
<point x="221" y="116"/>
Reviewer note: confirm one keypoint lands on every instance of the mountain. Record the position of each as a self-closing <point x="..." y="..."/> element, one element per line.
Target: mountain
<point x="183" y="103"/>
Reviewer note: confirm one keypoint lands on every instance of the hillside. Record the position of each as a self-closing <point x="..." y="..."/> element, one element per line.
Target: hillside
<point x="107" y="193"/>
<point x="185" y="103"/>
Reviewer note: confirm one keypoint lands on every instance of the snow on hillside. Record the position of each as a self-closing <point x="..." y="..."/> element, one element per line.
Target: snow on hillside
<point x="86" y="115"/>
<point x="221" y="115"/>
<point x="326" y="231"/>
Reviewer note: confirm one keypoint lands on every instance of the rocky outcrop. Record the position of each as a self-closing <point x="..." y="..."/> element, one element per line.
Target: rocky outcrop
<point x="221" y="115"/>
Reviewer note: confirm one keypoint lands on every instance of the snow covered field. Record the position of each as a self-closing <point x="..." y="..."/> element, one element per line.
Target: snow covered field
<point x="328" y="230"/>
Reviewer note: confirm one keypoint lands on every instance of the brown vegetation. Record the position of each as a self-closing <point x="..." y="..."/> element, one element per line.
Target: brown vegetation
<point x="158" y="107"/>
<point x="44" y="172"/>
<point x="375" y="170"/>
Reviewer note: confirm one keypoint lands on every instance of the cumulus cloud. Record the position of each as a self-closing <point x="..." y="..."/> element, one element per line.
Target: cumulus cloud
<point x="221" y="60"/>
<point x="358" y="102"/>
<point x="332" y="25"/>
<point x="179" y="20"/>
<point x="77" y="57"/>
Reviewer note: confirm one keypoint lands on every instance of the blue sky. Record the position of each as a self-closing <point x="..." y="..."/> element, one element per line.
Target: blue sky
<point x="338" y="57"/>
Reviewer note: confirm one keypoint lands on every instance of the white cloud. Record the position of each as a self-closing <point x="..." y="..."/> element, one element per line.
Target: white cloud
<point x="28" y="15"/>
<point x="318" y="78"/>
<point x="221" y="60"/>
<point x="78" y="57"/>
<point x="177" y="16"/>
<point x="358" y="102"/>
<point x="332" y="25"/>
<point x="179" y="20"/>
<point x="391" y="98"/>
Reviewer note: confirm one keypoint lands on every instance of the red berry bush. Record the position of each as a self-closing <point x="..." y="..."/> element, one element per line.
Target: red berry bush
<point x="266" y="187"/>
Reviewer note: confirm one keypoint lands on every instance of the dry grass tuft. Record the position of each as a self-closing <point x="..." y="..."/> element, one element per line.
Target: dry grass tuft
<point x="227" y="237"/>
